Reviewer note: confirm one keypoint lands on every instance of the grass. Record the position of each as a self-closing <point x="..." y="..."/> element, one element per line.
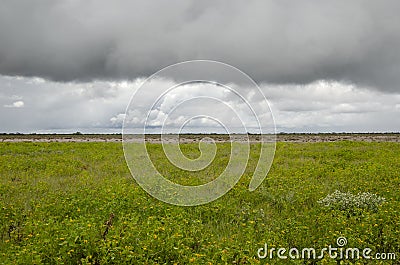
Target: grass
<point x="76" y="203"/>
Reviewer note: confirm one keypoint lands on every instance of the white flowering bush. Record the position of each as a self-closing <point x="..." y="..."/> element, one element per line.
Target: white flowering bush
<point x="348" y="202"/>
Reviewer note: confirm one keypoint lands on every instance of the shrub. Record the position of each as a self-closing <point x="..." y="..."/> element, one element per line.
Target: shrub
<point x="348" y="202"/>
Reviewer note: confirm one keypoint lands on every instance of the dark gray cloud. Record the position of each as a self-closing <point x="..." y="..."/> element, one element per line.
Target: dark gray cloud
<point x="273" y="41"/>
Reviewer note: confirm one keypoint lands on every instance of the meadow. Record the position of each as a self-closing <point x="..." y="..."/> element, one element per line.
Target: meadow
<point x="76" y="203"/>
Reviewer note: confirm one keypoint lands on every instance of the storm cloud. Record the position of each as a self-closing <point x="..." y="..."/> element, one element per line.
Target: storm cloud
<point x="281" y="42"/>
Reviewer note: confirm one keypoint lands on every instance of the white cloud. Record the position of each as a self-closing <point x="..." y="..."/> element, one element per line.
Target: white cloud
<point x="99" y="106"/>
<point x="332" y="106"/>
<point x="118" y="119"/>
<point x="16" y="104"/>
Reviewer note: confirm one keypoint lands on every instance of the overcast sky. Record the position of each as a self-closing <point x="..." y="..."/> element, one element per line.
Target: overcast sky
<point x="324" y="66"/>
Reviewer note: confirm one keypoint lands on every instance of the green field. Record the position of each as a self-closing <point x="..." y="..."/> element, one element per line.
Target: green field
<point x="56" y="199"/>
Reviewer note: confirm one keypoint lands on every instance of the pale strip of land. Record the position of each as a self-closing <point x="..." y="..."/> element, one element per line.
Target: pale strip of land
<point x="189" y="138"/>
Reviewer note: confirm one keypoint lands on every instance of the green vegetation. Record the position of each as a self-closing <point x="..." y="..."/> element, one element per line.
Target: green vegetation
<point x="76" y="203"/>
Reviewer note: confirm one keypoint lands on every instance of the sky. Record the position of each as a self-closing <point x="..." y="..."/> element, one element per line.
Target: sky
<point x="323" y="66"/>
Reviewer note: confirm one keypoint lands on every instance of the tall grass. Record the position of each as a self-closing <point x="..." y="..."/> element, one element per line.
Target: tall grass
<point x="56" y="200"/>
